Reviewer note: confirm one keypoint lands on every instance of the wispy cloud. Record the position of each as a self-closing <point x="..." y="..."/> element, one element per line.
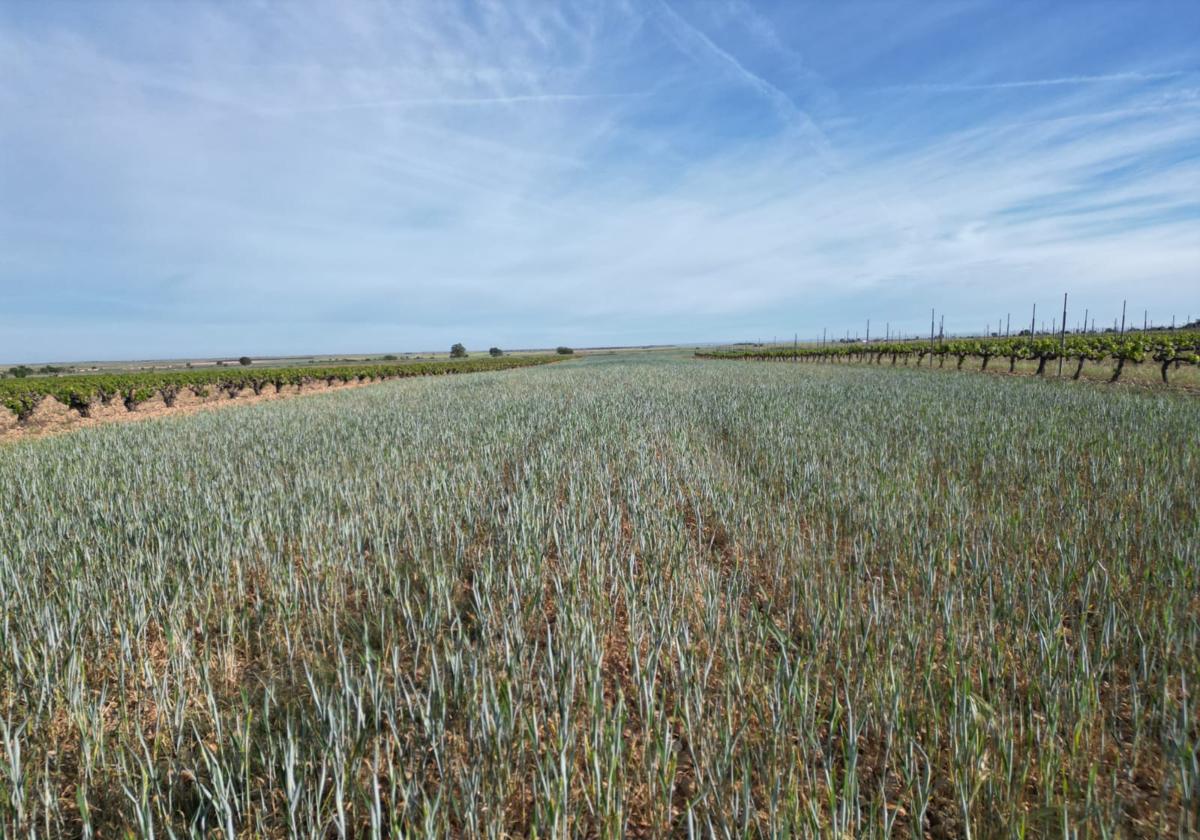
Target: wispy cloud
<point x="960" y="87"/>
<point x="692" y="40"/>
<point x="313" y="177"/>
<point x="458" y="102"/>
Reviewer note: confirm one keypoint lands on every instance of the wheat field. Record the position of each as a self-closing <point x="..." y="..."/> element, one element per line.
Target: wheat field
<point x="624" y="596"/>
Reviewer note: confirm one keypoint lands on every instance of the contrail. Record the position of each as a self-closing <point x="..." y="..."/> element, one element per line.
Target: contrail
<point x="1035" y="83"/>
<point x="454" y="102"/>
<point x="783" y="104"/>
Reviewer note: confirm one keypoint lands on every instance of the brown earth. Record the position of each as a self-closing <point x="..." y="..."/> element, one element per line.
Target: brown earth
<point x="50" y="417"/>
<point x="107" y="412"/>
<point x="8" y="423"/>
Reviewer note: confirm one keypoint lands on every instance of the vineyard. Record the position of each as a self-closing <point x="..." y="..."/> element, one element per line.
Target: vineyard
<point x="83" y="393"/>
<point x="632" y="596"/>
<point x="1166" y="351"/>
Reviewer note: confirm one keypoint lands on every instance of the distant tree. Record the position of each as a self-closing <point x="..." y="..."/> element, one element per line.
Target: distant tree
<point x="389" y="358"/>
<point x="495" y="351"/>
<point x="20" y="371"/>
<point x="564" y="351"/>
<point x="458" y="352"/>
<point x="245" y="361"/>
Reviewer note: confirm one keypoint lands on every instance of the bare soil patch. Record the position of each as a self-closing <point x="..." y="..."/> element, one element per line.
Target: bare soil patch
<point x="107" y="412"/>
<point x="49" y="415"/>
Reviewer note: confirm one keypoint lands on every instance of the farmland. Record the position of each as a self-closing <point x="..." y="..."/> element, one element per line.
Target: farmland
<point x="622" y="596"/>
<point x="65" y="400"/>
<point x="1080" y="356"/>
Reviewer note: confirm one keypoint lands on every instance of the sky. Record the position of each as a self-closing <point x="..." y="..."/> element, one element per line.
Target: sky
<point x="195" y="179"/>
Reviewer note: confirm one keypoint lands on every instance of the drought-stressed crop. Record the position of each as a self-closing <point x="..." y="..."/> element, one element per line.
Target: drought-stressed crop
<point x="615" y="597"/>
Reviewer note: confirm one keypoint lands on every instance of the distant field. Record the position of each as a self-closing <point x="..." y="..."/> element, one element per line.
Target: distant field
<point x="632" y="595"/>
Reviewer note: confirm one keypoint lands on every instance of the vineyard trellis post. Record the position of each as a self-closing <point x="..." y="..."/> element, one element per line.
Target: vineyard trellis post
<point x="1123" y="317"/>
<point x="1085" y="317"/>
<point x="931" y="336"/>
<point x="1033" y="321"/>
<point x="1062" y="336"/>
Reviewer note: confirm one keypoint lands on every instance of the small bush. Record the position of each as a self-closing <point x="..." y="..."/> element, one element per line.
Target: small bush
<point x="564" y="351"/>
<point x="495" y="351"/>
<point x="245" y="361"/>
<point x="458" y="351"/>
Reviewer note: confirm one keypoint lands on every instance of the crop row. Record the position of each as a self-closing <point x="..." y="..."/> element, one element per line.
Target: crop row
<point x="83" y="392"/>
<point x="1166" y="350"/>
<point x="635" y="596"/>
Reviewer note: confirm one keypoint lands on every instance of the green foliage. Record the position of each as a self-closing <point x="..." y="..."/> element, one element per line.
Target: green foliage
<point x="245" y="361"/>
<point x="458" y="351"/>
<point x="1181" y="347"/>
<point x="21" y="396"/>
<point x="20" y="371"/>
<point x="564" y="351"/>
<point x="495" y="352"/>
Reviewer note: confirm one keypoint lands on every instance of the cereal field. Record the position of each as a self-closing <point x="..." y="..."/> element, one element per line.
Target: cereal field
<point x="623" y="596"/>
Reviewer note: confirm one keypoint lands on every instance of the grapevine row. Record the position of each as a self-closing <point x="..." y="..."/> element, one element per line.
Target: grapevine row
<point x="21" y="396"/>
<point x="1165" y="350"/>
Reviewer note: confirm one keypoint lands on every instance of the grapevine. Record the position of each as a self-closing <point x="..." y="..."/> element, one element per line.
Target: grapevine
<point x="84" y="392"/>
<point x="1173" y="350"/>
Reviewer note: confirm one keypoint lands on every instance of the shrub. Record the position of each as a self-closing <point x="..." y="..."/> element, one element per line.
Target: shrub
<point x="495" y="351"/>
<point x="564" y="351"/>
<point x="458" y="351"/>
<point x="20" y="371"/>
<point x="244" y="361"/>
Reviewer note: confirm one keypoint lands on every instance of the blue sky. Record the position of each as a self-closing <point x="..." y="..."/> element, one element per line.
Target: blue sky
<point x="189" y="179"/>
